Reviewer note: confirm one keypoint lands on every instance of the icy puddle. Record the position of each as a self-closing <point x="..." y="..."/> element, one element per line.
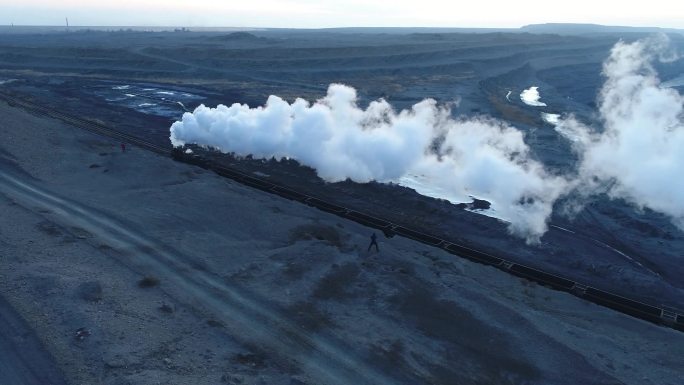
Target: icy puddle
<point x="675" y="82"/>
<point x="148" y="100"/>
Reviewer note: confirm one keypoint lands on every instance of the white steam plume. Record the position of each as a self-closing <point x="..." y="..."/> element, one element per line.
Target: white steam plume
<point x="482" y="157"/>
<point x="639" y="155"/>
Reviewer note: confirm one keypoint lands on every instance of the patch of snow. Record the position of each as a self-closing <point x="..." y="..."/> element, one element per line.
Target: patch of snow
<point x="553" y="119"/>
<point x="423" y="186"/>
<point x="531" y="97"/>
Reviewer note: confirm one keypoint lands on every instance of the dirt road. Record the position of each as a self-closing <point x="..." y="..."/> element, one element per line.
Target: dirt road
<point x="327" y="359"/>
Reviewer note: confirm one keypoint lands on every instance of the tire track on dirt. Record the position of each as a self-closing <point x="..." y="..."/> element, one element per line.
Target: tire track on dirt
<point x="23" y="359"/>
<point x="324" y="358"/>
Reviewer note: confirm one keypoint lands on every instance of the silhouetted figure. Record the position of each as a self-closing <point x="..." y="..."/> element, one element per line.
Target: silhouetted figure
<point x="374" y="241"/>
<point x="123" y="147"/>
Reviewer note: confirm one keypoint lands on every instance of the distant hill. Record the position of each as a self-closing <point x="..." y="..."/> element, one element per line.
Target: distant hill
<point x="240" y="37"/>
<point x="582" y="29"/>
<point x="414" y="30"/>
<point x="547" y="28"/>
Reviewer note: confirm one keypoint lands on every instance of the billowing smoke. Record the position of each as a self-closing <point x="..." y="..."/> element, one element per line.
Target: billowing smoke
<point x="482" y="157"/>
<point x="639" y="154"/>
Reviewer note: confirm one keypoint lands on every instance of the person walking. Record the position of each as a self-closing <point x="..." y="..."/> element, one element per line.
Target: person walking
<point x="374" y="241"/>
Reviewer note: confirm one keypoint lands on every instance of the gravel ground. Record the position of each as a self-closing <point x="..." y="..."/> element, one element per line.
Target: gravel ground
<point x="174" y="275"/>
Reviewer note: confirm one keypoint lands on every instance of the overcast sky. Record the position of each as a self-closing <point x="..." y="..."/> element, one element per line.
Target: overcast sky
<point x="337" y="13"/>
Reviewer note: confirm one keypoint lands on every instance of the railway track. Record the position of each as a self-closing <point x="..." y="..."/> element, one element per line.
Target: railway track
<point x="667" y="317"/>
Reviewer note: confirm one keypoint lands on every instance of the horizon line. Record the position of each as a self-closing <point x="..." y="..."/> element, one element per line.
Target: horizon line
<point x="339" y="27"/>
